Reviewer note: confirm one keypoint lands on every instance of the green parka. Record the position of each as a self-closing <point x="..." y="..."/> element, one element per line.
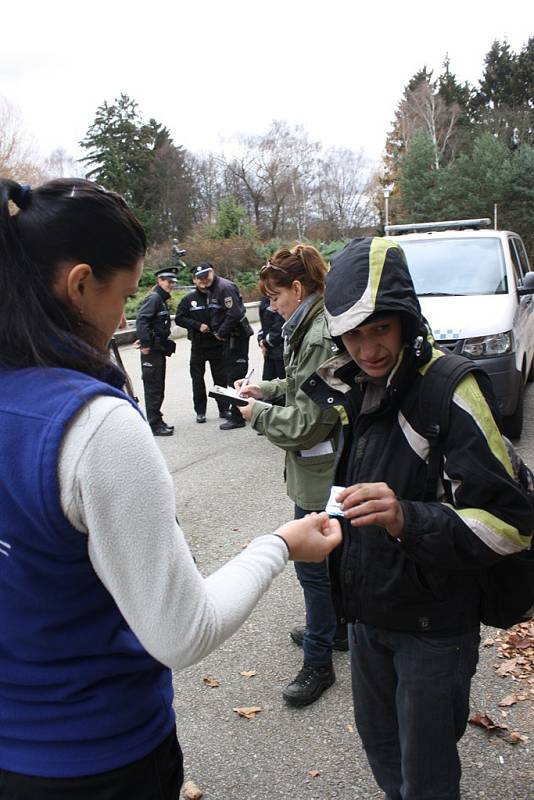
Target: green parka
<point x="301" y="425"/>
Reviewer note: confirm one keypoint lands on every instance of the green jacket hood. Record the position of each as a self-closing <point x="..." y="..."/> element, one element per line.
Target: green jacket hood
<point x="369" y="276"/>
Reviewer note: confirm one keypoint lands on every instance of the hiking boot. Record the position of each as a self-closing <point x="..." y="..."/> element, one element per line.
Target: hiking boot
<point x="309" y="685"/>
<point x="201" y="418"/>
<point x="340" y="642"/>
<point x="225" y="414"/>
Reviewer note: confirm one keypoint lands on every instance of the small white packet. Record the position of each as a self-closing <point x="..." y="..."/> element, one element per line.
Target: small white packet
<point x="333" y="508"/>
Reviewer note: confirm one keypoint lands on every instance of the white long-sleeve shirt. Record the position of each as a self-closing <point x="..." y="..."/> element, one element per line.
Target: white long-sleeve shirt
<point x="116" y="488"/>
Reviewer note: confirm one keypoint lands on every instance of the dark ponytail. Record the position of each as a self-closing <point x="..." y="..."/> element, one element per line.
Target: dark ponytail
<point x="42" y="229"/>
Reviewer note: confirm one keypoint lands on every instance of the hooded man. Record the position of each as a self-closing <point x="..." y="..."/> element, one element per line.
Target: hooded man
<point x="405" y="575"/>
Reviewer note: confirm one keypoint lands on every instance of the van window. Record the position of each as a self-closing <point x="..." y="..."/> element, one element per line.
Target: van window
<point x="516" y="262"/>
<point x="456" y="266"/>
<point x="519" y="246"/>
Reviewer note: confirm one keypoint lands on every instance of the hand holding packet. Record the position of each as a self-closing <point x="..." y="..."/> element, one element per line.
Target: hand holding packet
<point x="333" y="508"/>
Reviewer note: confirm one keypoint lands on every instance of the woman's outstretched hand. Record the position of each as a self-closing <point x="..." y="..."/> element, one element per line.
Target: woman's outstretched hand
<point x="311" y="538"/>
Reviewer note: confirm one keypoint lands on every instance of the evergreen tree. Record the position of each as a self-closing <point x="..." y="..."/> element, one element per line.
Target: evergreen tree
<point x="140" y="161"/>
<point x="419" y="181"/>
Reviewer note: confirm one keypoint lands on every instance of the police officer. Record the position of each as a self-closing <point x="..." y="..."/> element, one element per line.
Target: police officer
<point x="271" y="341"/>
<point x="228" y="321"/>
<point x="194" y="315"/>
<point x="153" y="327"/>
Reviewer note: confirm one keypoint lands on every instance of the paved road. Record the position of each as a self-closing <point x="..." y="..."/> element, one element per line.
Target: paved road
<point x="229" y="488"/>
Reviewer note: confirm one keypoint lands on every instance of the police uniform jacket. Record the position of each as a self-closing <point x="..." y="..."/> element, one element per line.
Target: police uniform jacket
<point x="271" y="330"/>
<point x="193" y="311"/>
<point x="153" y="323"/>
<point x="225" y="307"/>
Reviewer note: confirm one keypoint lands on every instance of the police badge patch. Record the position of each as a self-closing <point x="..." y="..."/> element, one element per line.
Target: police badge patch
<point x="228" y="302"/>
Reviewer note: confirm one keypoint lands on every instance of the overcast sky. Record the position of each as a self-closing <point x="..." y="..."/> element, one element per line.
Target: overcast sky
<point x="209" y="69"/>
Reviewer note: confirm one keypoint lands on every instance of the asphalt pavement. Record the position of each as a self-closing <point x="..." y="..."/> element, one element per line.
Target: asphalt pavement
<point x="229" y="489"/>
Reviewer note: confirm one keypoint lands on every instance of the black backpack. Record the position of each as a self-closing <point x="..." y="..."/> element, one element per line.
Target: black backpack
<point x="507" y="595"/>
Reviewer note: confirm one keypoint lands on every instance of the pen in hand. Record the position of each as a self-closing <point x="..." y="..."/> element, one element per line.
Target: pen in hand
<point x="245" y="381"/>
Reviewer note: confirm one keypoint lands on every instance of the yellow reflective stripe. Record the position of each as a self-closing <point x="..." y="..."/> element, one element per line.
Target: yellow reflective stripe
<point x="377" y="256"/>
<point x="343" y="416"/>
<point x="435" y="355"/>
<point x="469" y="398"/>
<point x="494" y="532"/>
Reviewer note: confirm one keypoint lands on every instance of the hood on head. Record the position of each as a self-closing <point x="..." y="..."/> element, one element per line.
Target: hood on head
<point x="367" y="277"/>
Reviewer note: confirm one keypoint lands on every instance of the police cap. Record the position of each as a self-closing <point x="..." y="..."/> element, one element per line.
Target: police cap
<point x="201" y="269"/>
<point x="170" y="273"/>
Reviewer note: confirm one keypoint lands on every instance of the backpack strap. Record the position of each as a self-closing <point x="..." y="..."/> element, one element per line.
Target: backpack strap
<point x="435" y="397"/>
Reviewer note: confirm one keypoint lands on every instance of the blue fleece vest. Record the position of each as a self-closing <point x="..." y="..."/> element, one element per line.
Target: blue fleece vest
<point x="78" y="693"/>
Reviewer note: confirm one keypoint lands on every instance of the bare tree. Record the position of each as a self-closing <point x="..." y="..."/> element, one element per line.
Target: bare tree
<point x="17" y="155"/>
<point x="343" y="195"/>
<point x="60" y="164"/>
<point x="424" y="109"/>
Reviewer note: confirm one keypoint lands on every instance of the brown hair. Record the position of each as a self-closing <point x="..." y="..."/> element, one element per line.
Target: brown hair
<point x="300" y="263"/>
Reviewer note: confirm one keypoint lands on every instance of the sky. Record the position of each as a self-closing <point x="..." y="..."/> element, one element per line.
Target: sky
<point x="211" y="70"/>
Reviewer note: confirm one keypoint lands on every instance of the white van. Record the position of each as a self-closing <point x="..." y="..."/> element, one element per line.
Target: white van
<point x="475" y="288"/>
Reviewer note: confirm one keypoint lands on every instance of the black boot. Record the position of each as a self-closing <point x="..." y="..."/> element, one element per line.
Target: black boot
<point x="309" y="685"/>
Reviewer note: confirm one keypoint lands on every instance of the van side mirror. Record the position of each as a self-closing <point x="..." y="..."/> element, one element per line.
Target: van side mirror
<point x="528" y="284"/>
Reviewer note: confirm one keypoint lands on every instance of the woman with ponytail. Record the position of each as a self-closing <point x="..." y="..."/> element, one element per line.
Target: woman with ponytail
<point x="99" y="594"/>
<point x="294" y="280"/>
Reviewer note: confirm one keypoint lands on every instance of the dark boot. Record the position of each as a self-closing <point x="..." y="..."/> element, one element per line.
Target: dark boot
<point x="309" y="685"/>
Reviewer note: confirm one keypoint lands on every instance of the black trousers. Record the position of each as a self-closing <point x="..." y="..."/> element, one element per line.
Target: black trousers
<point x="197" y="367"/>
<point x="236" y="365"/>
<point x="153" y="367"/>
<point x="273" y="368"/>
<point x="157" y="776"/>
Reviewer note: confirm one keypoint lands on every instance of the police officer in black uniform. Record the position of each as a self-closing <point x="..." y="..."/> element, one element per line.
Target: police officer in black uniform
<point x="194" y="315"/>
<point x="153" y="327"/>
<point x="271" y="341"/>
<point x="228" y="321"/>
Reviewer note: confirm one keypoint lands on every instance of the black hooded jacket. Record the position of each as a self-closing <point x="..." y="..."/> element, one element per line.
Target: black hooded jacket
<point x="428" y="580"/>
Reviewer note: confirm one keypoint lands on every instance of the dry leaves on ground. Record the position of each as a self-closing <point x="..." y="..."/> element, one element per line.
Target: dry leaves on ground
<point x="192" y="791"/>
<point x="516" y="647"/>
<point x="249" y="712"/>
<point x="211" y="682"/>
<point x="314" y="773"/>
<point x="502" y="731"/>
<point x="248" y="673"/>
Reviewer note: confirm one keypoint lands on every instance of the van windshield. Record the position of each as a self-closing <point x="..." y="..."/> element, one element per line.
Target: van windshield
<point x="456" y="266"/>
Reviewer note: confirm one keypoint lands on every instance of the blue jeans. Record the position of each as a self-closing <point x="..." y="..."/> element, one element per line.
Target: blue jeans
<point x="320" y="614"/>
<point x="411" y="704"/>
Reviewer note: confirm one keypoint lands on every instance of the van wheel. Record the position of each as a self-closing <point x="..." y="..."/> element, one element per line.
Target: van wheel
<point x="513" y="425"/>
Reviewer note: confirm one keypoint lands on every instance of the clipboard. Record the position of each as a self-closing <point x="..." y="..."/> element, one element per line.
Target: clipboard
<point x="228" y="394"/>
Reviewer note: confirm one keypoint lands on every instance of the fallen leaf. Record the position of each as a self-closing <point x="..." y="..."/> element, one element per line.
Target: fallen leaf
<point x="192" y="791"/>
<point x="236" y="529"/>
<point x="502" y="731"/>
<point x="314" y="773"/>
<point x="350" y="728"/>
<point x="211" y="682"/>
<point x="248" y="673"/>
<point x="488" y="643"/>
<point x="245" y="544"/>
<point x="249" y="712"/>
<point x="509" y="700"/>
<point x="513" y="737"/>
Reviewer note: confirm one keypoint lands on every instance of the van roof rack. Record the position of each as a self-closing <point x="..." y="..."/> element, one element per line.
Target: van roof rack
<point x="454" y="224"/>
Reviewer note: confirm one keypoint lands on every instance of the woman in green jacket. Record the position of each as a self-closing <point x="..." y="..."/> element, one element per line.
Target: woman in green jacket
<point x="294" y="280"/>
